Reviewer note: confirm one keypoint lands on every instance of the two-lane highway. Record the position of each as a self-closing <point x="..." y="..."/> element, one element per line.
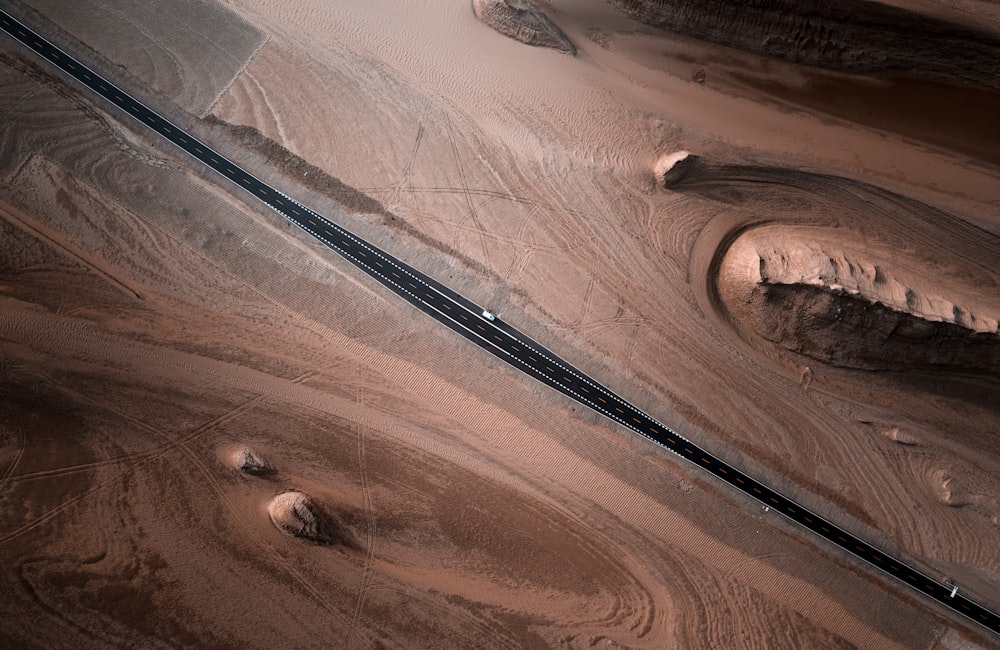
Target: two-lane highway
<point x="499" y="338"/>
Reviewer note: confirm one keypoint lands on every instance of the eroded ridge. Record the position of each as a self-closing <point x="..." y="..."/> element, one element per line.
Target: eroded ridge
<point x="525" y="21"/>
<point x="851" y="35"/>
<point x="843" y="272"/>
<point x="856" y="304"/>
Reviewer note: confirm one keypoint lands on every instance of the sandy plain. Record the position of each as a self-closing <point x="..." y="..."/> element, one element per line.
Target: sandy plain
<point x="156" y="329"/>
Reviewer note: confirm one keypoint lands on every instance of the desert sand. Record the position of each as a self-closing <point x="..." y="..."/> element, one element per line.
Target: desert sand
<point x="215" y="433"/>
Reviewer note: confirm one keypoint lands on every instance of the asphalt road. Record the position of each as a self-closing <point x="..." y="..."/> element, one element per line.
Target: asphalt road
<point x="497" y="337"/>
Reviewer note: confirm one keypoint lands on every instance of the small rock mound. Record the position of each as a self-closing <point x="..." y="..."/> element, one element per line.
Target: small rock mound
<point x="249" y="461"/>
<point x="949" y="490"/>
<point x="901" y="437"/>
<point x="296" y="514"/>
<point x="524" y="21"/>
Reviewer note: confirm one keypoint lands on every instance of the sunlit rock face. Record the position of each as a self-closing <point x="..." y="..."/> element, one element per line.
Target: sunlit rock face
<point x="852" y="35"/>
<point x="296" y="514"/>
<point x="672" y="167"/>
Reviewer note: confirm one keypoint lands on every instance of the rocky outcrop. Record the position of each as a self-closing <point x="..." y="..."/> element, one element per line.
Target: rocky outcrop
<point x="849" y="35"/>
<point x="848" y="274"/>
<point x="672" y="167"/>
<point x="248" y="461"/>
<point x="855" y="304"/>
<point x="523" y="20"/>
<point x="843" y="330"/>
<point x="296" y="514"/>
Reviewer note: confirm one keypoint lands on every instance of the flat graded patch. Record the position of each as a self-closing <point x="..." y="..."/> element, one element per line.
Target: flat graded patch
<point x="188" y="50"/>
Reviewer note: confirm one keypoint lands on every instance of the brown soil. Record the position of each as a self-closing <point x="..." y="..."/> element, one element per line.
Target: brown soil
<point x="157" y="330"/>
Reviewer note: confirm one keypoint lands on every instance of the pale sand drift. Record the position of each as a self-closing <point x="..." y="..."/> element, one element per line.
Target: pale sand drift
<point x="159" y="333"/>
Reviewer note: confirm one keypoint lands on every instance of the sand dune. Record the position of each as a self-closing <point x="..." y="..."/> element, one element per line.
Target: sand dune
<point x="193" y="392"/>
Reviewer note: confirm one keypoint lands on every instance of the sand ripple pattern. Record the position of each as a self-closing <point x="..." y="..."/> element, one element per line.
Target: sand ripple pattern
<point x="485" y="512"/>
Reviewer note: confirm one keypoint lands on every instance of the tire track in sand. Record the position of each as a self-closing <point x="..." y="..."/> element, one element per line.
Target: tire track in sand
<point x="473" y="213"/>
<point x="20" y="441"/>
<point x="394" y="192"/>
<point x="367" y="571"/>
<point x="138" y="459"/>
<point x="68" y="248"/>
<point x="182" y="445"/>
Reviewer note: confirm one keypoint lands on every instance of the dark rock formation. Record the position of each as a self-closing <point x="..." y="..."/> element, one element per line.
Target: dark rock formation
<point x="848" y="35"/>
<point x="523" y="20"/>
<point x="250" y="462"/>
<point x="847" y="331"/>
<point x="670" y="169"/>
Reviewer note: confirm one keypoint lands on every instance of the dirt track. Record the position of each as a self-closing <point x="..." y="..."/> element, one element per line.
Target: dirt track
<point x="152" y="323"/>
